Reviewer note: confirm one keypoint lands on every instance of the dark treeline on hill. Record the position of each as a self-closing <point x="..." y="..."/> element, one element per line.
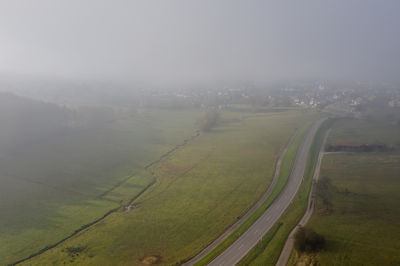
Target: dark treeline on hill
<point x="25" y="120"/>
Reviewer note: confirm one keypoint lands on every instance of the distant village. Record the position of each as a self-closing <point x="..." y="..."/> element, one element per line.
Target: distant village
<point x="311" y="95"/>
<point x="357" y="99"/>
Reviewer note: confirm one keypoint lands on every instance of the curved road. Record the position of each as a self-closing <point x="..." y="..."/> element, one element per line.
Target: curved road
<point x="231" y="229"/>
<point x="287" y="248"/>
<point x="254" y="234"/>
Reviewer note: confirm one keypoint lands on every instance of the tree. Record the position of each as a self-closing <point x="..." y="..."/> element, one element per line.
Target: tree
<point x="307" y="240"/>
<point x="209" y="120"/>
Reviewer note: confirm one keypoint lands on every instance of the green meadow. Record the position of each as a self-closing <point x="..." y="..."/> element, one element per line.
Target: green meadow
<point x="201" y="189"/>
<point x="285" y="169"/>
<point x="52" y="187"/>
<point x="362" y="226"/>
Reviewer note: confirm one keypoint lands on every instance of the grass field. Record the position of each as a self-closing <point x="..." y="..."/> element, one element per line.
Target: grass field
<point x="51" y="188"/>
<point x="284" y="174"/>
<point x="267" y="251"/>
<point x="351" y="130"/>
<point x="362" y="228"/>
<point x="201" y="189"/>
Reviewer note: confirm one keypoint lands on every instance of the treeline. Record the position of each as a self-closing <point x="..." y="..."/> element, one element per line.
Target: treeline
<point x="358" y="148"/>
<point x="324" y="192"/>
<point x="24" y="120"/>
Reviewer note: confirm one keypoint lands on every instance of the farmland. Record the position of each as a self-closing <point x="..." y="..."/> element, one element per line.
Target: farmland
<point x="361" y="223"/>
<point x="52" y="187"/>
<point x="200" y="190"/>
<point x="284" y="173"/>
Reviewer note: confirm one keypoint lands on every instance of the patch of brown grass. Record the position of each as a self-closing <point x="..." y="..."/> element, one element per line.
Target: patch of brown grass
<point x="151" y="260"/>
<point x="170" y="170"/>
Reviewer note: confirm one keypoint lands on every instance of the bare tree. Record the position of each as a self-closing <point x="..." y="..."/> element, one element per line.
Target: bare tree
<point x="209" y="120"/>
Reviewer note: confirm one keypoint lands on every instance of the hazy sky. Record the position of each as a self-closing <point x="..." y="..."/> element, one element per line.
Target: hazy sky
<point x="205" y="40"/>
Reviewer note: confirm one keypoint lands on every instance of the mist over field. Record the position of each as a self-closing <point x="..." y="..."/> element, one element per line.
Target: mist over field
<point x="183" y="132"/>
<point x="201" y="41"/>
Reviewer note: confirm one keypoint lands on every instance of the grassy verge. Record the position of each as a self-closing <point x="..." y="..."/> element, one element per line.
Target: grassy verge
<point x="267" y="251"/>
<point x="286" y="167"/>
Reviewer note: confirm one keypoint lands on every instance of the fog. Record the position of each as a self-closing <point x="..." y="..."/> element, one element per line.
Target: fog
<point x="170" y="42"/>
<point x="135" y="132"/>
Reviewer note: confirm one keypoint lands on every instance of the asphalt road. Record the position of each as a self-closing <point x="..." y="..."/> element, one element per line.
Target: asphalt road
<point x="287" y="248"/>
<point x="231" y="229"/>
<point x="254" y="234"/>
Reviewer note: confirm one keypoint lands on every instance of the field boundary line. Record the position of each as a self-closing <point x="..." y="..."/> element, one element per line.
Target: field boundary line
<point x="86" y="226"/>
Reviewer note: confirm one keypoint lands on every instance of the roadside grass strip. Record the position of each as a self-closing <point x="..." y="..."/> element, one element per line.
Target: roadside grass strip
<point x="267" y="251"/>
<point x="285" y="170"/>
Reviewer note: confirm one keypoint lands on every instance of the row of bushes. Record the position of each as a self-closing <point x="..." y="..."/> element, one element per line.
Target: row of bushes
<point x="357" y="148"/>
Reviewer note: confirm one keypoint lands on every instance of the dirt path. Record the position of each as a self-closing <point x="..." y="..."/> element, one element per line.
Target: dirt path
<point x="287" y="249"/>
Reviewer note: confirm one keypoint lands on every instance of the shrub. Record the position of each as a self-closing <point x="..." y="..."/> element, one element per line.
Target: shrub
<point x="307" y="240"/>
<point x="324" y="190"/>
